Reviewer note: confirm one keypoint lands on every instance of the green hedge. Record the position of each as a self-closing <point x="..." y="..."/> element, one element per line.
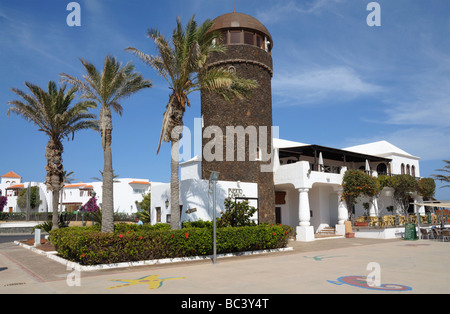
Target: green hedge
<point x="89" y="246"/>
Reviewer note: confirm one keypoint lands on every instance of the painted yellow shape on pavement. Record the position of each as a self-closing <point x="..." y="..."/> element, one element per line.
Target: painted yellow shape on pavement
<point x="152" y="281"/>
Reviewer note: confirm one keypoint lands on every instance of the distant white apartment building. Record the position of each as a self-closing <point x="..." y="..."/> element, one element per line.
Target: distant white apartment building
<point x="127" y="192"/>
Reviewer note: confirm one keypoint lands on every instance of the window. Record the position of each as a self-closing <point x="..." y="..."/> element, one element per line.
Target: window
<point x="235" y="37"/>
<point x="259" y="41"/>
<point x="248" y="38"/>
<point x="382" y="168"/>
<point x="413" y="171"/>
<point x="407" y="170"/>
<point x="223" y="37"/>
<point x="278" y="215"/>
<point x="158" y="214"/>
<point x="403" y="169"/>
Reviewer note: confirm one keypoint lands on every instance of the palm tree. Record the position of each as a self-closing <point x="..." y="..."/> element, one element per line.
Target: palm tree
<point x="106" y="89"/>
<point x="443" y="177"/>
<point x="182" y="63"/>
<point x="52" y="113"/>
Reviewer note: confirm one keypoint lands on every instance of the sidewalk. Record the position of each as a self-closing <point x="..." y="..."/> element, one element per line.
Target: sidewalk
<point x="322" y="267"/>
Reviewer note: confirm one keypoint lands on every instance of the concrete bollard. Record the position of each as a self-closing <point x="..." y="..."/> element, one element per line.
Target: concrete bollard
<point x="37" y="237"/>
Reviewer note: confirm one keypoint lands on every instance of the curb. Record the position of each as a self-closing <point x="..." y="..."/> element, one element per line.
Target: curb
<point x="52" y="255"/>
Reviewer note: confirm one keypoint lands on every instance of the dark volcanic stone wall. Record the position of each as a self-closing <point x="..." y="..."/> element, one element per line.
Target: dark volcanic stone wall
<point x="253" y="63"/>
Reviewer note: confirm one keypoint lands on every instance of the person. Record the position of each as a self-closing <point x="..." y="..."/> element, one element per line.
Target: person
<point x="139" y="222"/>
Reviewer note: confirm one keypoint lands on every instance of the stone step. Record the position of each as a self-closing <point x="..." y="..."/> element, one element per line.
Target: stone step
<point x="327" y="230"/>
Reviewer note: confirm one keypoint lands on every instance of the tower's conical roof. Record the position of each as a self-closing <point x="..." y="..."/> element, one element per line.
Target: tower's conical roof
<point x="241" y="21"/>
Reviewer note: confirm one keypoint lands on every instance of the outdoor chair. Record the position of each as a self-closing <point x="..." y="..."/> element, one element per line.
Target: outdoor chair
<point x="445" y="234"/>
<point x="426" y="233"/>
<point x="390" y="220"/>
<point x="361" y="219"/>
<point x="423" y="220"/>
<point x="373" y="221"/>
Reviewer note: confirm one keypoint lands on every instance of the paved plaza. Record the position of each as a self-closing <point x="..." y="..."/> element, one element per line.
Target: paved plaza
<point x="335" y="266"/>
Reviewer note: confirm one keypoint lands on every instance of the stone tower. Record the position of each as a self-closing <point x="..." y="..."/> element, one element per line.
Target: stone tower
<point x="248" y="53"/>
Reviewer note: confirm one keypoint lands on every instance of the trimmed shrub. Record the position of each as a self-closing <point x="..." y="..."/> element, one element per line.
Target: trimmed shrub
<point x="197" y="224"/>
<point x="89" y="246"/>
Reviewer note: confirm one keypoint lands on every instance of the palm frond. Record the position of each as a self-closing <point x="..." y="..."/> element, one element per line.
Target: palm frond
<point x="181" y="61"/>
<point x="51" y="110"/>
<point x="108" y="87"/>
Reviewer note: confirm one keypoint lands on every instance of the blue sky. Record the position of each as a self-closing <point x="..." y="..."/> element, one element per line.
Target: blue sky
<point x="337" y="82"/>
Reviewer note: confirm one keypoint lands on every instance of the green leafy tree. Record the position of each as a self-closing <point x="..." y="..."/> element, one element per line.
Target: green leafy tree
<point x="237" y="214"/>
<point x="404" y="185"/>
<point x="182" y="63"/>
<point x="52" y="113"/>
<point x="34" y="198"/>
<point x="106" y="89"/>
<point x="356" y="183"/>
<point x="426" y="188"/>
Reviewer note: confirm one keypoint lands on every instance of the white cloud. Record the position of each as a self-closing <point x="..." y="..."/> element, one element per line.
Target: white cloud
<point x="428" y="143"/>
<point x="281" y="10"/>
<point x="427" y="102"/>
<point x="321" y="85"/>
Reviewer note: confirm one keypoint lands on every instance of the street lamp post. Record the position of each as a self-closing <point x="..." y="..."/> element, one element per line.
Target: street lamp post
<point x="214" y="177"/>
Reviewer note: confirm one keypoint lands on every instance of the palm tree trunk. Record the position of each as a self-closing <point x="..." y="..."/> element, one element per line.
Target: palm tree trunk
<point x="174" y="187"/>
<point x="55" y="173"/>
<point x="108" y="183"/>
<point x="108" y="188"/>
<point x="55" y="200"/>
<point x="173" y="134"/>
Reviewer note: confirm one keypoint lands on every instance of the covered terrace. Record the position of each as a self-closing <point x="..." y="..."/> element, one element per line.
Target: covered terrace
<point x="331" y="160"/>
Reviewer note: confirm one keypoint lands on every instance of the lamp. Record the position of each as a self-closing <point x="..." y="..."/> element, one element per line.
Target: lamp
<point x="167" y="203"/>
<point x="214" y="177"/>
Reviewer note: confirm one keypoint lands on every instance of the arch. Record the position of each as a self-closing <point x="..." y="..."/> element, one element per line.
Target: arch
<point x="382" y="168"/>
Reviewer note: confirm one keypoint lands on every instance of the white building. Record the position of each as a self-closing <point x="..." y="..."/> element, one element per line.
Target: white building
<point x="127" y="192"/>
<point x="196" y="198"/>
<point x="11" y="185"/>
<point x="307" y="181"/>
<point x="309" y="177"/>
